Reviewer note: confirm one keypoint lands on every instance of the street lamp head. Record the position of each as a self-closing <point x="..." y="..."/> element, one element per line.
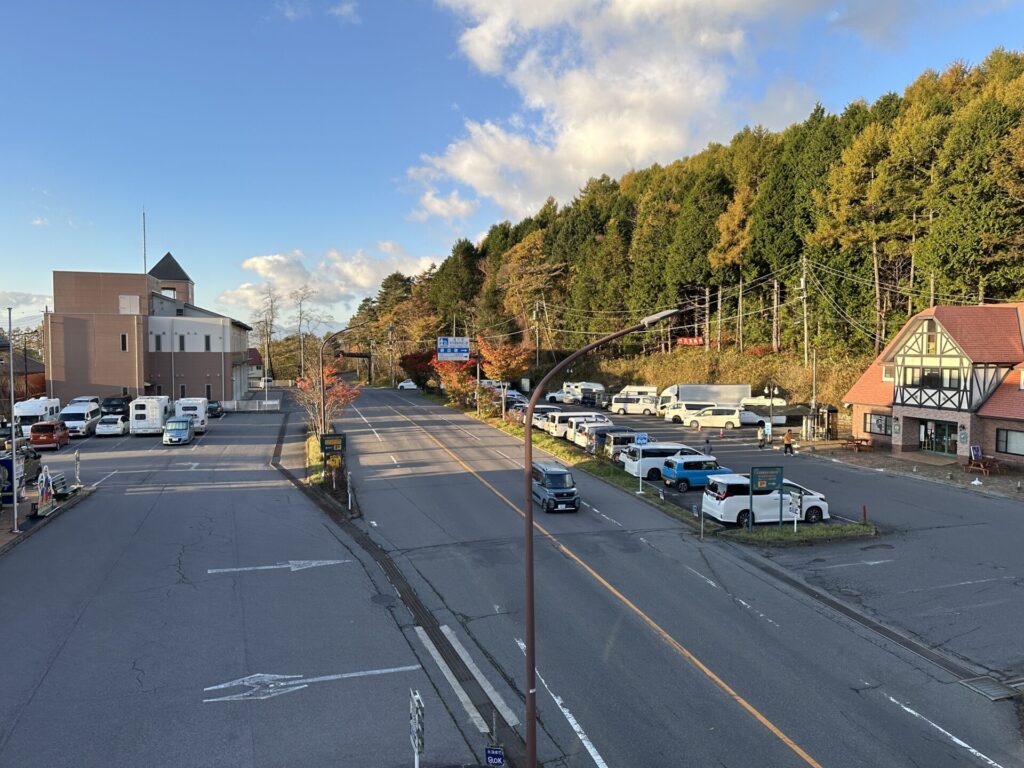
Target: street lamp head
<point x="650" y="320"/>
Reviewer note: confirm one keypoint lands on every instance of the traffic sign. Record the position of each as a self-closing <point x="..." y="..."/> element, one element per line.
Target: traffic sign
<point x="334" y="461"/>
<point x="766" y="478"/>
<point x="332" y="443"/>
<point x="494" y="755"/>
<point x="640" y="438"/>
<point x="454" y="348"/>
<point x="416" y="722"/>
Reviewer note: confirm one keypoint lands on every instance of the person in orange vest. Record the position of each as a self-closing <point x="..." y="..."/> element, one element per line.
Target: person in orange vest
<point x="787" y="442"/>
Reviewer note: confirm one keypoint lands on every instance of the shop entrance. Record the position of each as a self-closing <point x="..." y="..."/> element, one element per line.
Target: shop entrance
<point x="939" y="437"/>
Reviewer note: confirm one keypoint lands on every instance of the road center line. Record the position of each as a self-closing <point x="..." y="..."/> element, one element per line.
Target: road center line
<point x="493" y="695"/>
<point x="379" y="439"/>
<point x="670" y="641"/>
<point x="573" y="722"/>
<point x="944" y="732"/>
<point x="850" y="565"/>
<point x="958" y="584"/>
<point x="467" y="705"/>
<point x="700" y="575"/>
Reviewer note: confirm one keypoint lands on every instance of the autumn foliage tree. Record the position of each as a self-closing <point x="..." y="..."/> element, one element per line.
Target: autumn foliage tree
<point x="503" y="362"/>
<point x="418" y="366"/>
<point x="338" y="393"/>
<point x="456" y="380"/>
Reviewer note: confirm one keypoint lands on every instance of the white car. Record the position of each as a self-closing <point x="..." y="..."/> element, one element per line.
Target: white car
<point x="724" y="418"/>
<point x="727" y="499"/>
<point x="557" y="396"/>
<point x="407" y="384"/>
<point x="113" y="424"/>
<point x="647" y="460"/>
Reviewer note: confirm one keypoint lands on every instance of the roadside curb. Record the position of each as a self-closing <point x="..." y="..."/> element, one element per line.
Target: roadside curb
<point x="84" y="493"/>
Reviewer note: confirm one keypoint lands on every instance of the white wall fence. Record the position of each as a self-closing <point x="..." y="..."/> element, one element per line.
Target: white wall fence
<point x="256" y="405"/>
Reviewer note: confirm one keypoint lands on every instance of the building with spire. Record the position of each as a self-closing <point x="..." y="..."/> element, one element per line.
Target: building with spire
<point x="113" y="333"/>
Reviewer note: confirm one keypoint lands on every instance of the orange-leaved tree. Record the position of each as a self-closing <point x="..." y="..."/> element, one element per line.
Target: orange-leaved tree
<point x="456" y="380"/>
<point x="337" y="394"/>
<point x="503" y="362"/>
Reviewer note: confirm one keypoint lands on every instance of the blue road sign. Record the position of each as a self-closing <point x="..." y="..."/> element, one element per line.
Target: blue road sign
<point x="494" y="755"/>
<point x="640" y="438"/>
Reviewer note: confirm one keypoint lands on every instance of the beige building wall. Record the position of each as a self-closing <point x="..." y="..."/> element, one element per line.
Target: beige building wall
<point x="99" y="293"/>
<point x="183" y="289"/>
<point x="84" y="354"/>
<point x="857" y="425"/>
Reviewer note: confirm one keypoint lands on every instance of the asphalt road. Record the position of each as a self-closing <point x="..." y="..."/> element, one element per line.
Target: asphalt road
<point x="119" y="619"/>
<point x="654" y="648"/>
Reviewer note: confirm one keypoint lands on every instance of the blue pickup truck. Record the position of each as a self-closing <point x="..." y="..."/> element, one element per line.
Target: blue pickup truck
<point x="686" y="472"/>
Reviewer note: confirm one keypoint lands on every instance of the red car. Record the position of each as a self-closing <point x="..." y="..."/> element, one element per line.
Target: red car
<point x="49" y="434"/>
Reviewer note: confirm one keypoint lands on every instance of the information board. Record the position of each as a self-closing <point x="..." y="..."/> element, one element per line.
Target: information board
<point x="766" y="479"/>
<point x="332" y="443"/>
<point x="455" y="348"/>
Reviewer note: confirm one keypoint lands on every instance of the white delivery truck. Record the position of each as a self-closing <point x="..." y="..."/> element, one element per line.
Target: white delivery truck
<point x="724" y="395"/>
<point x="28" y="412"/>
<point x="148" y="414"/>
<point x="196" y="408"/>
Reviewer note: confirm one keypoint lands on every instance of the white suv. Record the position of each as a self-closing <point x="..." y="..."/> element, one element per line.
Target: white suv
<point x="727" y="499"/>
<point x="647" y="460"/>
<point x="725" y="418"/>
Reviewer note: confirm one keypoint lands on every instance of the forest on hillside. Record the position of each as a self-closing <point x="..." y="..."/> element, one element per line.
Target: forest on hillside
<point x="854" y="221"/>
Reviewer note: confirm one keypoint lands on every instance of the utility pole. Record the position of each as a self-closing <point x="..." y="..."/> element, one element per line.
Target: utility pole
<point x="391" y="352"/>
<point x="803" y="292"/>
<point x="144" y="264"/>
<point x="718" y="306"/>
<point x="14" y="438"/>
<point x="536" y="333"/>
<point x="739" y="316"/>
<point x="775" y="315"/>
<point x="24" y="355"/>
<point x="931" y="290"/>
<point x="981" y="290"/>
<point x="707" y="317"/>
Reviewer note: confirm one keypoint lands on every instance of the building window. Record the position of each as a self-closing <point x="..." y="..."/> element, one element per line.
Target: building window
<point x="182" y="391"/>
<point x="159" y="390"/>
<point x="181" y="343"/>
<point x="931" y="337"/>
<point x="1010" y="441"/>
<point x="179" y="312"/>
<point x="931" y="378"/>
<point x="951" y="378"/>
<point x="889" y="372"/>
<point x="206" y="342"/>
<point x="877" y="424"/>
<point x="171" y="293"/>
<point x="124" y="342"/>
<point x="158" y="342"/>
<point x="911" y="377"/>
<point x="124" y="391"/>
<point x="209" y="392"/>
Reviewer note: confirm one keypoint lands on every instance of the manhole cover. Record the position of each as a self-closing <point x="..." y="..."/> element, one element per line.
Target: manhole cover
<point x="387" y="600"/>
<point x="990" y="688"/>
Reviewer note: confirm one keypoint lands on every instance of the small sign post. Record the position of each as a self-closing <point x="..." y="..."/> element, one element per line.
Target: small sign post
<point x="766" y="480"/>
<point x="641" y="440"/>
<point x="332" y="447"/>
<point x="416" y="726"/>
<point x="494" y="755"/>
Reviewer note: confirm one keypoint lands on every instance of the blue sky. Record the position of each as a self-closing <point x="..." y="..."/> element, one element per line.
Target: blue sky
<point x="329" y="143"/>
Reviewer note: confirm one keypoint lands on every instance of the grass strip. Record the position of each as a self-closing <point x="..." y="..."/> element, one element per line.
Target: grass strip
<point x="314" y="460"/>
<point x="771" y="535"/>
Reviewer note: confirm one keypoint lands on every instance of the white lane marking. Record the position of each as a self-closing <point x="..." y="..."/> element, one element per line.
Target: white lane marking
<point x="467" y="705"/>
<point x="497" y="608"/>
<point x="264" y="686"/>
<point x="190" y="464"/>
<point x="944" y="732"/>
<point x="700" y="575"/>
<point x="748" y="606"/>
<point x="609" y="519"/>
<point x="379" y="438"/>
<point x="957" y="584"/>
<point x="509" y="458"/>
<point x="573" y="722"/>
<point x="493" y="695"/>
<point x="394" y="459"/>
<point x="197" y="442"/>
<point x="585" y="504"/>
<point x="104" y="478"/>
<point x="373" y="523"/>
<point x="848" y="565"/>
<point x="291" y="565"/>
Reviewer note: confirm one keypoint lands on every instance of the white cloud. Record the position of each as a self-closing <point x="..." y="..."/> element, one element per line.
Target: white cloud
<point x="451" y="207"/>
<point x="40" y="221"/>
<point x="26" y="308"/>
<point x="292" y="10"/>
<point x="345" y="12"/>
<point x="341" y="279"/>
<point x="603" y="88"/>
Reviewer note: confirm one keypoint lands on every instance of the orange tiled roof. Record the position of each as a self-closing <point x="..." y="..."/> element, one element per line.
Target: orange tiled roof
<point x="1007" y="401"/>
<point x="870" y="389"/>
<point x="989" y="333"/>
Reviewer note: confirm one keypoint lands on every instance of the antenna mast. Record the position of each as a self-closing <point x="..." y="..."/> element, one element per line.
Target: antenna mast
<point x="144" y="265"/>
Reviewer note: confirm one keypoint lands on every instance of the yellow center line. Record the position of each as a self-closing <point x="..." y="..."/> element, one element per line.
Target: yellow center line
<point x="670" y="641"/>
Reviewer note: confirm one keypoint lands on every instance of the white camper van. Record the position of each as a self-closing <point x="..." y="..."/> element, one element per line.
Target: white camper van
<point x="148" y="414"/>
<point x="196" y="408"/>
<point x="28" y="412"/>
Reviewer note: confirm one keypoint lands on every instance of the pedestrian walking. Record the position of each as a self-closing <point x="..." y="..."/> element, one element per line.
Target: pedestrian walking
<point x="787" y="442"/>
<point x="760" y="438"/>
<point x="707" y="446"/>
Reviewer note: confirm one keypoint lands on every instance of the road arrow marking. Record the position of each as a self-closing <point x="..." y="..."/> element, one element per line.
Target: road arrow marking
<point x="190" y="464"/>
<point x="265" y="686"/>
<point x="291" y="565"/>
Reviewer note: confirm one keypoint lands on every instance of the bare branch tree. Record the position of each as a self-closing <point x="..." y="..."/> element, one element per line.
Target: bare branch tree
<point x="301" y="297"/>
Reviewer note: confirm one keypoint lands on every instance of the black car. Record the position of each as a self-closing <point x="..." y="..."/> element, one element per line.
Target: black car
<point x="214" y="409"/>
<point x="115" y="406"/>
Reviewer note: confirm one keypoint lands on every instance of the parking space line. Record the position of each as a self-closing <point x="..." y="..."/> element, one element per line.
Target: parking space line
<point x="859" y="562"/>
<point x="460" y="692"/>
<point x="493" y="695"/>
<point x="94" y="485"/>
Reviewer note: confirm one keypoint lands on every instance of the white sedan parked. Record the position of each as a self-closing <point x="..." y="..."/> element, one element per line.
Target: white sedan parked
<point x="407" y="384"/>
<point x="114" y="424"/>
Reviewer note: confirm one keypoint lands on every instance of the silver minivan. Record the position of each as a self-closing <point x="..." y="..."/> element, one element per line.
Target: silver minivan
<point x="554" y="487"/>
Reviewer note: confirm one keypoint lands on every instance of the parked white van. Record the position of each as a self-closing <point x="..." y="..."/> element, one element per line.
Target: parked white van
<point x="639" y="390"/>
<point x="81" y="418"/>
<point x="723" y="418"/>
<point x="680" y="412"/>
<point x="28" y="412"/>
<point x="196" y="408"/>
<point x="582" y="431"/>
<point x="727" y="498"/>
<point x="578" y="421"/>
<point x="647" y="460"/>
<point x="643" y="404"/>
<point x="558" y="421"/>
<point x="149" y="414"/>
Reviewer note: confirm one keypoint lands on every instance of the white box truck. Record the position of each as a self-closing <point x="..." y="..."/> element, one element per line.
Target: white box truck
<point x="196" y="408"/>
<point x="149" y="414"/>
<point x="28" y="412"/>
<point x="723" y="395"/>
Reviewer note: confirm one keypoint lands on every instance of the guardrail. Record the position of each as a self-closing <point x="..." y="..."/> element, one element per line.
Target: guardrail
<point x="256" y="405"/>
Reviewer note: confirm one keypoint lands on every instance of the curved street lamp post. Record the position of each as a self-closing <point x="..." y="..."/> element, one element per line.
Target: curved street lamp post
<point x="323" y="393"/>
<point x="531" y="670"/>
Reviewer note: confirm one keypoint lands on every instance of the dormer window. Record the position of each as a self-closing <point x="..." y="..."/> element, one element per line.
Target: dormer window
<point x="889" y="372"/>
<point x="931" y="337"/>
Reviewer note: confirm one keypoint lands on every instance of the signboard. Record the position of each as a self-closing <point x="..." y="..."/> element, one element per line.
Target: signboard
<point x="453" y="348"/>
<point x="766" y="478"/>
<point x="334" y="461"/>
<point x="640" y="438"/>
<point x="416" y="722"/>
<point x="332" y="443"/>
<point x="975" y="453"/>
<point x="690" y="341"/>
<point x="494" y="755"/>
